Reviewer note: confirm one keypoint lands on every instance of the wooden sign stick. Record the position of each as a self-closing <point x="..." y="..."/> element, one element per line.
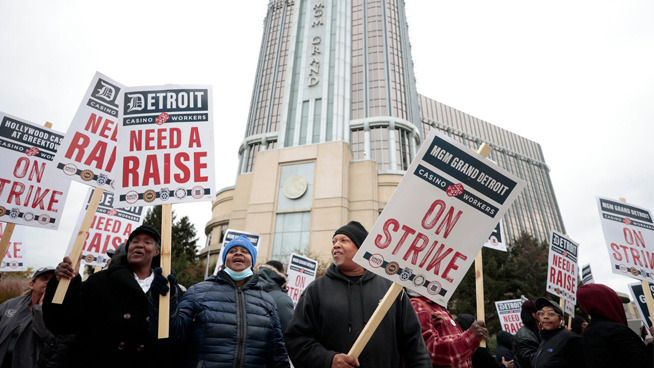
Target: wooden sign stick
<point x="645" y="285"/>
<point x="164" y="300"/>
<point x="76" y="252"/>
<point x="9" y="229"/>
<point x="6" y="238"/>
<point x="483" y="150"/>
<point x="375" y="320"/>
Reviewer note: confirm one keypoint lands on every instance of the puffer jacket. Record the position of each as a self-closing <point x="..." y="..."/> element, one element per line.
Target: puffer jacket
<point x="223" y="325"/>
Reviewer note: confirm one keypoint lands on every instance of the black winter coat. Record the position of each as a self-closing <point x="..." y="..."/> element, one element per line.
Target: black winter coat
<point x="560" y="348"/>
<point x="612" y="344"/>
<point x="332" y="312"/>
<point x="526" y="345"/>
<point x="223" y="325"/>
<point x="108" y="314"/>
<point x="272" y="282"/>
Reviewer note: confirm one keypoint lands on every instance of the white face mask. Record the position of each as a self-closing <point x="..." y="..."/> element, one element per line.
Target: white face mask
<point x="239" y="275"/>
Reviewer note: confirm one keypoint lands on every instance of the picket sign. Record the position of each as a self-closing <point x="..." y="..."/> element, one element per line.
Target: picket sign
<point x="375" y="320"/>
<point x="562" y="304"/>
<point x="9" y="228"/>
<point x="76" y="252"/>
<point x="645" y="284"/>
<point x="164" y="300"/>
<point x="483" y="150"/>
<point x="396" y="288"/>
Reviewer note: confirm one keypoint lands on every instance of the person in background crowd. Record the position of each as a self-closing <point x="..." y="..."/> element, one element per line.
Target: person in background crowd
<point x="578" y="325"/>
<point x="482" y="357"/>
<point x="22" y="331"/>
<point x="527" y="339"/>
<point x="333" y="310"/>
<point x="272" y="279"/>
<point x="504" y="350"/>
<point x="108" y="312"/>
<point x="226" y="320"/>
<point x="447" y="343"/>
<point x="608" y="341"/>
<point x="560" y="348"/>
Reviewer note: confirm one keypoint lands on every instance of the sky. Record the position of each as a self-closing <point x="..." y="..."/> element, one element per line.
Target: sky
<point x="574" y="76"/>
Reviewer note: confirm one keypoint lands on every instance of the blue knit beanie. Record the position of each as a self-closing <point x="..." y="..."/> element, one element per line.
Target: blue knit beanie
<point x="241" y="241"/>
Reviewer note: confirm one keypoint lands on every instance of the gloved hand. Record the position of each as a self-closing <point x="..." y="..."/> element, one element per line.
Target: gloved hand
<point x="159" y="284"/>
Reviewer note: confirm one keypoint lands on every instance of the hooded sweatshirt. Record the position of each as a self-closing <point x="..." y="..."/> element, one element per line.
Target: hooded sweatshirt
<point x="607" y="340"/>
<point x="332" y="312"/>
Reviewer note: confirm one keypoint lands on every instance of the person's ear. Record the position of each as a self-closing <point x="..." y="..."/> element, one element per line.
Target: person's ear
<point x="157" y="252"/>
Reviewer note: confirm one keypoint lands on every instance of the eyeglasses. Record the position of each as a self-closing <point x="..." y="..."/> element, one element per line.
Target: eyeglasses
<point x="549" y="314"/>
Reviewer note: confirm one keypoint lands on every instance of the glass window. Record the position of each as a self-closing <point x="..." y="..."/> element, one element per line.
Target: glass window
<point x="292" y="232"/>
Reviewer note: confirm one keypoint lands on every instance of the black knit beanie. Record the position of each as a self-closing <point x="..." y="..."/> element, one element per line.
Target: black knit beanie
<point x="354" y="231"/>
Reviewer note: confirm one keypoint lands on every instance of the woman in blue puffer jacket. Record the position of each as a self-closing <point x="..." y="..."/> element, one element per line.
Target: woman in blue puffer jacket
<point x="227" y="320"/>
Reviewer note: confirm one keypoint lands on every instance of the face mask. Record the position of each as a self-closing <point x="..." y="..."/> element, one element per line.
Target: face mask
<point x="238" y="276"/>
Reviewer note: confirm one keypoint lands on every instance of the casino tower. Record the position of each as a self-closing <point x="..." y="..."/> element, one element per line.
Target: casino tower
<point x="335" y="120"/>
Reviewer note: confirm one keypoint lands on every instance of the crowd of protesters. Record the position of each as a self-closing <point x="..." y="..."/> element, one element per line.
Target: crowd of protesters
<point x="239" y="318"/>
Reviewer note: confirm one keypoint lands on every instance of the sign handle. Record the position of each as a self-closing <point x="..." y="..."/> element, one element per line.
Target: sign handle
<point x="375" y="320"/>
<point x="164" y="300"/>
<point x="76" y="252"/>
<point x="6" y="238"/>
<point x="483" y="150"/>
<point x="645" y="285"/>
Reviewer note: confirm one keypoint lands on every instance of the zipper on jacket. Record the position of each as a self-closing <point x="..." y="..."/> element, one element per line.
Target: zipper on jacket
<point x="240" y="328"/>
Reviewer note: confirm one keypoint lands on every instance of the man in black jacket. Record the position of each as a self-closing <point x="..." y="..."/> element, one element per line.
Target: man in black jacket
<point x="273" y="280"/>
<point x="108" y="312"/>
<point x="333" y="310"/>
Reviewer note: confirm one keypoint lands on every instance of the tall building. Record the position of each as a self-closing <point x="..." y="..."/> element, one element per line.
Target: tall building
<point x="335" y="120"/>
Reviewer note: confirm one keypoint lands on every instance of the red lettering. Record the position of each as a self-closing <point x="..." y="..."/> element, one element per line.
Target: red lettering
<point x="415" y="248"/>
<point x="435" y="262"/>
<point x="428" y="223"/>
<point x="453" y="266"/>
<point x="198" y="166"/>
<point x="194" y="140"/>
<point x="180" y="158"/>
<point x="16" y="190"/>
<point x="407" y="231"/>
<point x="387" y="242"/>
<point x="135" y="140"/>
<point x="130" y="171"/>
<point x="128" y="230"/>
<point x="93" y="123"/>
<point x="97" y="155"/>
<point x="151" y="170"/>
<point x="149" y="140"/>
<point x="77" y="146"/>
<point x="448" y="222"/>
<point x="106" y="127"/>
<point x="616" y="250"/>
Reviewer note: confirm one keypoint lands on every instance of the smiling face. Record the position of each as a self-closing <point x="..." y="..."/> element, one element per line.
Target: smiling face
<point x="141" y="250"/>
<point x="238" y="259"/>
<point x="549" y="319"/>
<point x="343" y="250"/>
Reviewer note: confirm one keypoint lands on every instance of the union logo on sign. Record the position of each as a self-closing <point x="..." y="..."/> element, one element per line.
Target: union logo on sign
<point x="44" y="219"/>
<point x="86" y="175"/>
<point x="70" y="169"/>
<point x="455" y="190"/>
<point x="32" y="151"/>
<point x="162" y="118"/>
<point x="149" y="195"/>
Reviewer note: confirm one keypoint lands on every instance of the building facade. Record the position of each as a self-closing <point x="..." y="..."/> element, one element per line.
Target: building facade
<point x="335" y="120"/>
